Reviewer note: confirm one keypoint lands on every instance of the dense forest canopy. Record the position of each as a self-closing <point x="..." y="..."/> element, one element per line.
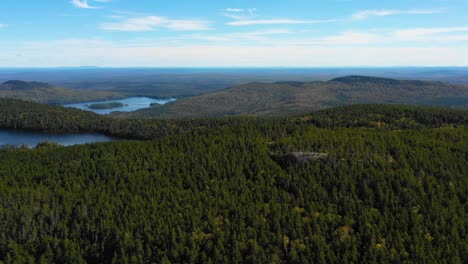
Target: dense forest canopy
<point x="369" y="184"/>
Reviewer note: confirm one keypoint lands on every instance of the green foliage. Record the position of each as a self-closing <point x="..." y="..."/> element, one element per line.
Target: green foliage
<point x="387" y="117"/>
<point x="106" y="105"/>
<point x="209" y="191"/>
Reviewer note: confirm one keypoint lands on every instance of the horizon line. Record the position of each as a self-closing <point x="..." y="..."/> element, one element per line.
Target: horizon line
<point x="235" y="67"/>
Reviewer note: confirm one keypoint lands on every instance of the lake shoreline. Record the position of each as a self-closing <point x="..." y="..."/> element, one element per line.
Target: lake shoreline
<point x="22" y="137"/>
<point x="130" y="104"/>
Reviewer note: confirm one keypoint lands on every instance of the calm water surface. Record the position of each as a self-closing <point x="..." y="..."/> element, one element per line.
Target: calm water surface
<point x="131" y="104"/>
<point x="14" y="137"/>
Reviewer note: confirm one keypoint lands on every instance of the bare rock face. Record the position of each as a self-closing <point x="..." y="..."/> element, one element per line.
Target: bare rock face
<point x="292" y="158"/>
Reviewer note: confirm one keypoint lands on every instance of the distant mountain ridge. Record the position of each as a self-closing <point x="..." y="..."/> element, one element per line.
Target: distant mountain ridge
<point x="293" y="98"/>
<point x="359" y="80"/>
<point x="22" y="85"/>
<point x="46" y="93"/>
<point x="355" y="79"/>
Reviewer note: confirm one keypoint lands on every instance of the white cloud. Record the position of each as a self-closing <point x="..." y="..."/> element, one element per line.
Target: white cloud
<point x="296" y="38"/>
<point x="236" y="16"/>
<point x="431" y="35"/>
<point x="245" y="17"/>
<point x="150" y="23"/>
<point x="236" y="10"/>
<point x="82" y="4"/>
<point x="346" y="38"/>
<point x="382" y="37"/>
<point x="240" y="13"/>
<point x="259" y="35"/>
<point x="389" y="12"/>
<point x="415" y="33"/>
<point x="187" y="25"/>
<point x="275" y="22"/>
<point x="387" y="37"/>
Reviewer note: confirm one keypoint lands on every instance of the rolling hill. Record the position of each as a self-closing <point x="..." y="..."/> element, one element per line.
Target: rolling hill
<point x="49" y="94"/>
<point x="293" y="98"/>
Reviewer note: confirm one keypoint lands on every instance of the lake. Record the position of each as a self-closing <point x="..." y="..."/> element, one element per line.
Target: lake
<point x="130" y="104"/>
<point x="15" y="137"/>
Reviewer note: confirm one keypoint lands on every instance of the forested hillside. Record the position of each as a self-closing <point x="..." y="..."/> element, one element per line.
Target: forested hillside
<point x="369" y="184"/>
<point x="18" y="114"/>
<point x="295" y="98"/>
<point x="49" y="94"/>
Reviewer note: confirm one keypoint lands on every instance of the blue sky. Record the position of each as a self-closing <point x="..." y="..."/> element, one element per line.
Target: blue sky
<point x="253" y="33"/>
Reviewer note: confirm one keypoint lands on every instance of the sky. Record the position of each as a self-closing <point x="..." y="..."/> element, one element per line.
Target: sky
<point x="233" y="33"/>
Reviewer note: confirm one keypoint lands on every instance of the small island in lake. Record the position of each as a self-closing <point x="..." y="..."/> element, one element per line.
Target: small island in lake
<point x="106" y="105"/>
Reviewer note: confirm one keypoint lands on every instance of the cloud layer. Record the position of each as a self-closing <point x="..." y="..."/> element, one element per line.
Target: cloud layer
<point x="149" y="23"/>
<point x="245" y="37"/>
<point x="275" y="22"/>
<point x="105" y="53"/>
<point x="389" y="12"/>
<point x="82" y="4"/>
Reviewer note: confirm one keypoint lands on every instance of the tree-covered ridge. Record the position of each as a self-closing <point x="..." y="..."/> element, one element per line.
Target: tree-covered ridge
<point x="211" y="191"/>
<point x="387" y="117"/>
<point x="46" y="93"/>
<point x="357" y="79"/>
<point x="22" y="85"/>
<point x="18" y="114"/>
<point x="296" y="98"/>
